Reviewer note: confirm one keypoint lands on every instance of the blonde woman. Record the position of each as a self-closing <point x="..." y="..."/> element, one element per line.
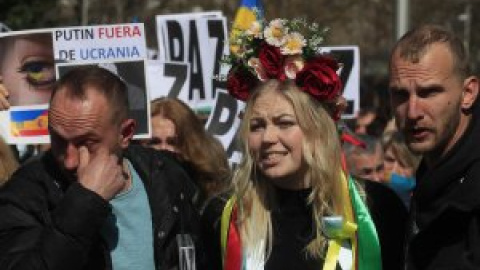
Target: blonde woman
<point x="292" y="205"/>
<point x="400" y="166"/>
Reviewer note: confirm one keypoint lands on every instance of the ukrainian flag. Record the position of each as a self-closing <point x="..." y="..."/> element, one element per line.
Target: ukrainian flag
<point x="248" y="12"/>
<point x="27" y="123"/>
<point x="246" y="15"/>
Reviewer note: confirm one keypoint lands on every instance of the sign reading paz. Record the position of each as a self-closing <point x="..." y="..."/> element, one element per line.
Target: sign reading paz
<point x="199" y="40"/>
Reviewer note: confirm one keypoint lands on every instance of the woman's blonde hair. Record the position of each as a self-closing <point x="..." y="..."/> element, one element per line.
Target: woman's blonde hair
<point x="321" y="154"/>
<point x="8" y="162"/>
<point x="406" y="158"/>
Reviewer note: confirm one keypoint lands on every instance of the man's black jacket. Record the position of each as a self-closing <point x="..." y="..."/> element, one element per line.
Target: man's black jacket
<point x="444" y="226"/>
<point x="48" y="223"/>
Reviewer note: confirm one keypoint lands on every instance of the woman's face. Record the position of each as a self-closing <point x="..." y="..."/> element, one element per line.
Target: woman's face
<point x="27" y="69"/>
<point x="393" y="165"/>
<point x="275" y="141"/>
<point x="164" y="135"/>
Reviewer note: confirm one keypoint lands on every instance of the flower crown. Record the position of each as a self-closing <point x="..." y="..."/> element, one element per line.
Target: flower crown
<point x="280" y="51"/>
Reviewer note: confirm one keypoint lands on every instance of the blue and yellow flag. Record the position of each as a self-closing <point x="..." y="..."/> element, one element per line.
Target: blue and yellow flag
<point x="27" y="123"/>
<point x="248" y="12"/>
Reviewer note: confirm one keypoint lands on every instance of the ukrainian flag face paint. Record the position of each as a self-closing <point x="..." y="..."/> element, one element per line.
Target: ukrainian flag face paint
<point x="27" y="68"/>
<point x="38" y="73"/>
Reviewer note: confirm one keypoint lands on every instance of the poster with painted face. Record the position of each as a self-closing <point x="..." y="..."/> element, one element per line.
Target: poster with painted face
<point x="28" y="61"/>
<point x="27" y="67"/>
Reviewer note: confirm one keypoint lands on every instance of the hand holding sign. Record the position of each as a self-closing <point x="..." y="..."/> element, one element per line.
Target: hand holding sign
<point x="4" y="105"/>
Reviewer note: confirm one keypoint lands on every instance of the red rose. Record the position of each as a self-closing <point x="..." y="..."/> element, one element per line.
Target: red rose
<point x="319" y="78"/>
<point x="240" y="82"/>
<point x="272" y="60"/>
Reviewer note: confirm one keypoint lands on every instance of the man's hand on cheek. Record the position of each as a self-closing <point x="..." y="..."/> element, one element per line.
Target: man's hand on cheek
<point x="102" y="173"/>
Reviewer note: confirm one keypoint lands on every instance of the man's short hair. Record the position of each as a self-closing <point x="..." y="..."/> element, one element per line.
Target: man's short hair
<point x="414" y="44"/>
<point x="371" y="145"/>
<point x="79" y="79"/>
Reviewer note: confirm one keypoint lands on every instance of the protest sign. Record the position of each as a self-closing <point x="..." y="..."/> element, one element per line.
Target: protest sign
<point x="27" y="72"/>
<point x="224" y="122"/>
<point x="168" y="79"/>
<point x="198" y="39"/>
<point x="38" y="52"/>
<point x="349" y="58"/>
<point x="100" y="43"/>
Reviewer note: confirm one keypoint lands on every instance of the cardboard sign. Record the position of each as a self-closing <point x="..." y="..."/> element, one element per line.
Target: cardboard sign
<point x="198" y="39"/>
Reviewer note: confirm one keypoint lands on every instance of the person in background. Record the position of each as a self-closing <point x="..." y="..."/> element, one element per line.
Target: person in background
<point x="400" y="166"/>
<point x="94" y="201"/>
<point x="364" y="118"/>
<point x="292" y="206"/>
<point x="177" y="129"/>
<point x="365" y="161"/>
<point x="434" y="98"/>
<point x="8" y="162"/>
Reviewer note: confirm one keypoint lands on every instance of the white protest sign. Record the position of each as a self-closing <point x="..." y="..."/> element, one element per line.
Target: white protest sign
<point x="218" y="47"/>
<point x="224" y="122"/>
<point x="28" y="75"/>
<point x="197" y="39"/>
<point x="168" y="79"/>
<point x="40" y="51"/>
<point x="100" y="43"/>
<point x="120" y="48"/>
<point x="349" y="57"/>
<point x="164" y="43"/>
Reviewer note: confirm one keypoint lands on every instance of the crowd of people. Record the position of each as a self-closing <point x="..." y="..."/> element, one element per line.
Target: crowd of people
<point x="311" y="191"/>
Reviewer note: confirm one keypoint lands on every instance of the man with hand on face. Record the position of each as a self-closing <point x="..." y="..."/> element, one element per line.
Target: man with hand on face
<point x="433" y="97"/>
<point x="95" y="201"/>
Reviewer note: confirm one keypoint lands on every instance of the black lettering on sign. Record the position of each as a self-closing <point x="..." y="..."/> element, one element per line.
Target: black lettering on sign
<point x="216" y="30"/>
<point x="179" y="72"/>
<point x="234" y="147"/>
<point x="175" y="37"/>
<point x="195" y="60"/>
<point x="220" y="126"/>
<point x="346" y="58"/>
<point x="224" y="103"/>
<point x="68" y="55"/>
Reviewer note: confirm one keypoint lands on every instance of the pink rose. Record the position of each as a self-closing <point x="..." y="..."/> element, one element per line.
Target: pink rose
<point x="293" y="64"/>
